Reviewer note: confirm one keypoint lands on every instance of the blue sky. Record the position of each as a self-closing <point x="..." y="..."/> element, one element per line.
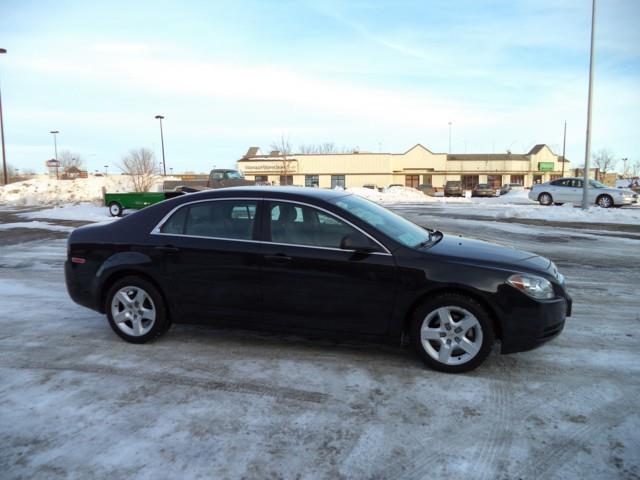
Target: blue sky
<point x="379" y="75"/>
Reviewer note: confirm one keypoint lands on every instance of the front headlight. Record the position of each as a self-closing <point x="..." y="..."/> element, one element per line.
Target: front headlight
<point x="534" y="286"/>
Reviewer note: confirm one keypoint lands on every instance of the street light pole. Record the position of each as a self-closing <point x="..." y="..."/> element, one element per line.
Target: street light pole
<point x="449" y="137"/>
<point x="587" y="150"/>
<point x="564" y="145"/>
<point x="55" y="148"/>
<point x="164" y="165"/>
<point x="4" y="154"/>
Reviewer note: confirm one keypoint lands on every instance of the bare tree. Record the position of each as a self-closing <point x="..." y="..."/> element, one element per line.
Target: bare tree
<point x="70" y="159"/>
<point x="283" y="147"/>
<point x="604" y="161"/>
<point x="11" y="173"/>
<point x="634" y="168"/>
<point x="323" y="148"/>
<point x="141" y="165"/>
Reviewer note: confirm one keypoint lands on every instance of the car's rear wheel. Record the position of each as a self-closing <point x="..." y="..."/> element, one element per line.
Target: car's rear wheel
<point x="115" y="209"/>
<point x="604" y="201"/>
<point x="545" y="199"/>
<point x="452" y="333"/>
<point x="136" y="310"/>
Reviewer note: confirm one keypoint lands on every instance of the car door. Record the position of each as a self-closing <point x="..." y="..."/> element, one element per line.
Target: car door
<point x="558" y="190"/>
<point x="574" y="191"/>
<point x="309" y="282"/>
<point x="212" y="261"/>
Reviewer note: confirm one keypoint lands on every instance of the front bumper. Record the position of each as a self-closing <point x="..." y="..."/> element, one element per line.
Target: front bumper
<point x="628" y="200"/>
<point x="531" y="323"/>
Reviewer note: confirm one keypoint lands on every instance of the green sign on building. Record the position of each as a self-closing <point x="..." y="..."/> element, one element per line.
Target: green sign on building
<point x="545" y="166"/>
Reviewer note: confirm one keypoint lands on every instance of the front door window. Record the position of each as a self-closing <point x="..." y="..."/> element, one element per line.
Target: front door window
<point x="296" y="224"/>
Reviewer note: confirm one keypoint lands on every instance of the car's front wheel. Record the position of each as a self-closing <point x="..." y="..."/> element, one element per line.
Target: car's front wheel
<point x="604" y="201"/>
<point x="545" y="199"/>
<point x="136" y="310"/>
<point x="452" y="333"/>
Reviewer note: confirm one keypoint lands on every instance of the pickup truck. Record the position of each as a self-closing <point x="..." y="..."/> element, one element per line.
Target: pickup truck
<point x="218" y="178"/>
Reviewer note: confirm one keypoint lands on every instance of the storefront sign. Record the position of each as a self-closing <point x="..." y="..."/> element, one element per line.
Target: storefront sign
<point x="545" y="166"/>
<point x="290" y="166"/>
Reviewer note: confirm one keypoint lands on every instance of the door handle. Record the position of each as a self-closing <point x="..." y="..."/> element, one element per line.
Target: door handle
<point x="167" y="249"/>
<point x="279" y="259"/>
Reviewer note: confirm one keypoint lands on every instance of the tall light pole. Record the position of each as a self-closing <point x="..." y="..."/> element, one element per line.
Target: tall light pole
<point x="106" y="170"/>
<point x="164" y="165"/>
<point x="624" y="171"/>
<point x="587" y="150"/>
<point x="5" y="171"/>
<point x="564" y="145"/>
<point x="449" y="137"/>
<point x="55" y="147"/>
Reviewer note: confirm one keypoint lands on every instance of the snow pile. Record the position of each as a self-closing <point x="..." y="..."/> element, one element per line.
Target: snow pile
<point x="88" y="212"/>
<point x="569" y="213"/>
<point x="44" y="190"/>
<point x="402" y="195"/>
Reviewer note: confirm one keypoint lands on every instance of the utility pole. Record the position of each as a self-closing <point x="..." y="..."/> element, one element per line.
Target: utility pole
<point x="564" y="145"/>
<point x="5" y="170"/>
<point x="587" y="150"/>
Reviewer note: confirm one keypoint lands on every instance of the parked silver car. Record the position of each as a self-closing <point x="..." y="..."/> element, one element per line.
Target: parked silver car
<point x="569" y="190"/>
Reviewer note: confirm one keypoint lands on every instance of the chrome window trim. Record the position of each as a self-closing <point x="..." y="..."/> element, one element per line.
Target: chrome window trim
<point x="156" y="229"/>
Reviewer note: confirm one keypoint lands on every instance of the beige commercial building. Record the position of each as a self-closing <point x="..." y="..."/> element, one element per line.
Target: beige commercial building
<point x="416" y="166"/>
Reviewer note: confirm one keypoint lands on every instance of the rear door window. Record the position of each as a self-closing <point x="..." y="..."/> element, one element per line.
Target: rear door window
<point x="228" y="219"/>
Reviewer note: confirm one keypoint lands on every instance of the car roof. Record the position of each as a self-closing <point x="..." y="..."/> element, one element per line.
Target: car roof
<point x="271" y="192"/>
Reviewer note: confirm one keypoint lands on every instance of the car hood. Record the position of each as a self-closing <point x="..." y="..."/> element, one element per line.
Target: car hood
<point x="479" y="251"/>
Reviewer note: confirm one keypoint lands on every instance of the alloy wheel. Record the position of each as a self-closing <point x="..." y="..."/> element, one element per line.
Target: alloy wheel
<point x="133" y="311"/>
<point x="451" y="335"/>
<point x="605" y="201"/>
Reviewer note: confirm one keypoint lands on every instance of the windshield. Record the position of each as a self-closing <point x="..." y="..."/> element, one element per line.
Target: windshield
<point x="235" y="175"/>
<point x="398" y="228"/>
<point x="596" y="184"/>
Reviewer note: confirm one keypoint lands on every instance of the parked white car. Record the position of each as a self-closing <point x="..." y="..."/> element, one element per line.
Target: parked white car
<point x="569" y="190"/>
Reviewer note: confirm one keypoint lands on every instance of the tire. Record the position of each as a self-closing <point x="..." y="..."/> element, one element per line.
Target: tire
<point x="604" y="201"/>
<point x="545" y="199"/>
<point x="429" y="335"/>
<point x="136" y="310"/>
<point x="115" y="209"/>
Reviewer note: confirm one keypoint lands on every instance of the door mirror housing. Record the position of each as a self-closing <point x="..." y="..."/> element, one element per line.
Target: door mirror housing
<point x="359" y="243"/>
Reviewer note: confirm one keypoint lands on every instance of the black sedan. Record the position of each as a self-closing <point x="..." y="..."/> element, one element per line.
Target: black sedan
<point x="312" y="260"/>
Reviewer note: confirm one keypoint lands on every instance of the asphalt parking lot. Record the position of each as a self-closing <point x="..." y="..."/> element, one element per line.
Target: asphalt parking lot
<point x="77" y="402"/>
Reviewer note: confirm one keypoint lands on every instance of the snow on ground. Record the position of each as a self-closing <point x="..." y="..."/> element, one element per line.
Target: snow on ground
<point x="77" y="402"/>
<point x="44" y="190"/>
<point x="569" y="213"/>
<point x="88" y="212"/>
<point x="35" y="224"/>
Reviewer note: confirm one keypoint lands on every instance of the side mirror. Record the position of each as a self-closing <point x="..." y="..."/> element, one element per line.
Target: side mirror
<point x="359" y="243"/>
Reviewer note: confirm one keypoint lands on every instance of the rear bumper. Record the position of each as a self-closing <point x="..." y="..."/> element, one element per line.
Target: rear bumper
<point x="79" y="282"/>
<point x="531" y="323"/>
